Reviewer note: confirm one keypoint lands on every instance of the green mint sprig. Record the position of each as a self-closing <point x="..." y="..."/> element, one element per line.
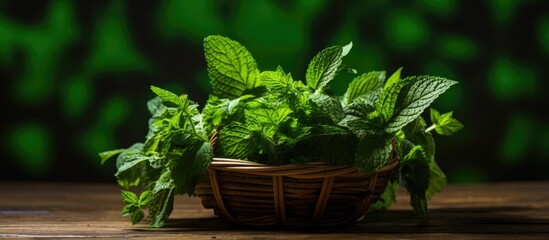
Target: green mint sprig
<point x="271" y="117"/>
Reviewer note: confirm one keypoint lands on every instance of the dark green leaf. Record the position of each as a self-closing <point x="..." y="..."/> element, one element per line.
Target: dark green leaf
<point x="325" y="109"/>
<point x="129" y="209"/>
<point x="388" y="99"/>
<point x="137" y="216"/>
<point x="373" y="152"/>
<point x="190" y="167"/>
<point x="361" y="116"/>
<point x="161" y="208"/>
<point x="237" y="141"/>
<point x="437" y="180"/>
<point x="419" y="204"/>
<point x="231" y="68"/>
<point x="202" y="159"/>
<point x="331" y="144"/>
<point x="414" y="176"/>
<point x="418" y="94"/>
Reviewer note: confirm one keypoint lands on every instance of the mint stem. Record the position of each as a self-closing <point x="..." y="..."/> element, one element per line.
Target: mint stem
<point x="430" y="128"/>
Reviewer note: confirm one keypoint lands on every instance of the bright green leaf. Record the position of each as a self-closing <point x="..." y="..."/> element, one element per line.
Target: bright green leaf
<point x="395" y="77"/>
<point x="129" y="198"/>
<point x="109" y="154"/>
<point x="231" y="68"/>
<point x="324" y="66"/>
<point x="445" y="124"/>
<point x="169" y="98"/>
<point x="363" y="84"/>
<point x="145" y="198"/>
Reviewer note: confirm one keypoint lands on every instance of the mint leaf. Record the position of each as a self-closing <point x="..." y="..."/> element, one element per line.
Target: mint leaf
<point x="346" y="49"/>
<point x="238" y="141"/>
<point x="362" y="116"/>
<point x="414" y="176"/>
<point x="415" y="133"/>
<point x="132" y="166"/>
<point x="363" y="84"/>
<point x="373" y="152"/>
<point x="164" y="182"/>
<point x="416" y="96"/>
<point x="169" y="98"/>
<point x="271" y="116"/>
<point x="445" y="124"/>
<point x="109" y="154"/>
<point x="325" y="109"/>
<point x="202" y="159"/>
<point x="394" y="78"/>
<point x="437" y="180"/>
<point x="324" y="66"/>
<point x="222" y="111"/>
<point x="187" y="170"/>
<point x="231" y="68"/>
<point x="130" y="198"/>
<point x="277" y="81"/>
<point x="161" y="207"/>
<point x="146" y="198"/>
<point x="332" y="144"/>
<point x="155" y="106"/>
<point x="137" y="216"/>
<point x="133" y="207"/>
<point x="388" y="99"/>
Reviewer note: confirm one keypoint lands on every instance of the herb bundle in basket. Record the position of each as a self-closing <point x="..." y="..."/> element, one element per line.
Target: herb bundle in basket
<point x="268" y="150"/>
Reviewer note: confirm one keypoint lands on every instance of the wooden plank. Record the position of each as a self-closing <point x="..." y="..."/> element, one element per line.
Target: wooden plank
<point x="497" y="210"/>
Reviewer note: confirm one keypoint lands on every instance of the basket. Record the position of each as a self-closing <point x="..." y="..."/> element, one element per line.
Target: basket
<point x="291" y="196"/>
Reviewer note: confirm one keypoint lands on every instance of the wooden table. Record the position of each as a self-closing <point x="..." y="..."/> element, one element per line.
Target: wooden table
<point x="499" y="210"/>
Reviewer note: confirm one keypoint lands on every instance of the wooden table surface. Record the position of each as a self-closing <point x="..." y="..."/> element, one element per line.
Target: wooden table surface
<point x="498" y="211"/>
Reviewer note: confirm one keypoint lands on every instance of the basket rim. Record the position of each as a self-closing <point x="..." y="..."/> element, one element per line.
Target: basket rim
<point x="301" y="170"/>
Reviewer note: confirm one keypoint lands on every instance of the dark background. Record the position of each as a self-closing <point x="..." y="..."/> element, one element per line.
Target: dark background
<point x="76" y="74"/>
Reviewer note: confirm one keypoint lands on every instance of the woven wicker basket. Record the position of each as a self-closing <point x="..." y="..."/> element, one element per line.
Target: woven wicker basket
<point x="252" y="194"/>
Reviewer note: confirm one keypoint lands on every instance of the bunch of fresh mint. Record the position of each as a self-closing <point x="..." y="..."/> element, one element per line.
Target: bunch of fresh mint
<point x="270" y="118"/>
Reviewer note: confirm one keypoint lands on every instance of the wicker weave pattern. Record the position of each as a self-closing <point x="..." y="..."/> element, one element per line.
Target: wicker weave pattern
<point x="252" y="194"/>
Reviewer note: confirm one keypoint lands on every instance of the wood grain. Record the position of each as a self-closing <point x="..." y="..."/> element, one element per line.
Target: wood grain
<point x="483" y="211"/>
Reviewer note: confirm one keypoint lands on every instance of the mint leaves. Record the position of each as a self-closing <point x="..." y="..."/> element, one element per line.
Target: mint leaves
<point x="134" y="205"/>
<point x="231" y="68"/>
<point x="444" y="124"/>
<point x="271" y="118"/>
<point x="416" y="94"/>
<point x="363" y="84"/>
<point x="324" y="66"/>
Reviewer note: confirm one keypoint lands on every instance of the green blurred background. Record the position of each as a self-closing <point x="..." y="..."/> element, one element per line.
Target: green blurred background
<point x="77" y="73"/>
